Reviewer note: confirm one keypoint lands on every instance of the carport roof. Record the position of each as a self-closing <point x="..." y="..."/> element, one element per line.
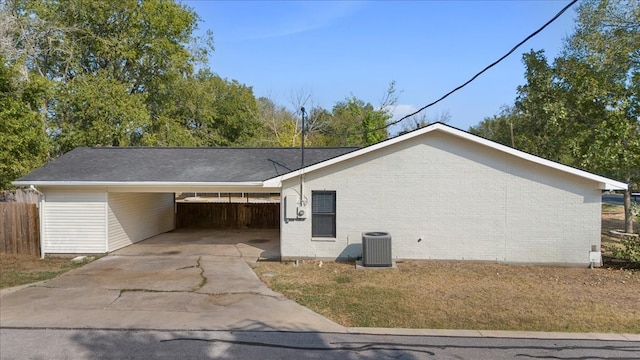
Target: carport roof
<point x="175" y="164"/>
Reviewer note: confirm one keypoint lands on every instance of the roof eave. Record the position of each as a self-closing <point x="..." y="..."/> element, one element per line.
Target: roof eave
<point x="602" y="182"/>
<point x="613" y="185"/>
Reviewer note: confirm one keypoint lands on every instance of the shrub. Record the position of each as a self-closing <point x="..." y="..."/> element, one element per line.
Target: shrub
<point x="630" y="248"/>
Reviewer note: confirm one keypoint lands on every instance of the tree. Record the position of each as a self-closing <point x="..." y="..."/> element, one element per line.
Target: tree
<point x="500" y="127"/>
<point x="421" y="120"/>
<point x="23" y="144"/>
<point x="136" y="50"/>
<point x="95" y="110"/>
<point x="274" y="119"/>
<point x="606" y="49"/>
<point x="282" y="126"/>
<point x="540" y="107"/>
<point x="356" y="123"/>
<point x="583" y="109"/>
<point x="212" y="111"/>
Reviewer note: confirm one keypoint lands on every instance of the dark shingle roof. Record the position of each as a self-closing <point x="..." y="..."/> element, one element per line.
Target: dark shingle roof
<point x="171" y="164"/>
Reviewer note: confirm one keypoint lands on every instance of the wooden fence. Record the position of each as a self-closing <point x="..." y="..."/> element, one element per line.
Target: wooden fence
<point x="19" y="228"/>
<point x="20" y="195"/>
<point x="228" y="215"/>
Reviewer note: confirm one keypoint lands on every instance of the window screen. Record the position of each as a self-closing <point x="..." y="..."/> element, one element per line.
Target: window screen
<point x="323" y="214"/>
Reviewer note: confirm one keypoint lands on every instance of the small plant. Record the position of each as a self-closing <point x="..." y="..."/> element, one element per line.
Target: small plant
<point x="630" y="248"/>
<point x="343" y="279"/>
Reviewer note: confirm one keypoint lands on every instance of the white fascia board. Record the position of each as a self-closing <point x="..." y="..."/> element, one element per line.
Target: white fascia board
<point x="603" y="182"/>
<point x="275" y="182"/>
<point x="612" y="185"/>
<point x="150" y="186"/>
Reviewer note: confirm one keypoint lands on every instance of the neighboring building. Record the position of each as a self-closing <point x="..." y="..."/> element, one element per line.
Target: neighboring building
<point x="440" y="192"/>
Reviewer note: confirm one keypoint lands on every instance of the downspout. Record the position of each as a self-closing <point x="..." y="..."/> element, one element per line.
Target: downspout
<point x="41" y="220"/>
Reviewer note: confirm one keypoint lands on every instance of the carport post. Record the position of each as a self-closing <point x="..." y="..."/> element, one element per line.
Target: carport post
<point x="41" y="220"/>
<point x="40" y="215"/>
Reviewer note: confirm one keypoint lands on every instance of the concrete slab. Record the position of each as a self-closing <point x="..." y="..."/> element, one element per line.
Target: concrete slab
<point x="174" y="281"/>
<point x="632" y="337"/>
<point x="413" y="332"/>
<point x="273" y="319"/>
<point x="39" y="298"/>
<point x="227" y="275"/>
<point x="550" y="335"/>
<point x="495" y="334"/>
<point x="179" y="249"/>
<point x="252" y="244"/>
<point x="164" y="273"/>
<point x="161" y="301"/>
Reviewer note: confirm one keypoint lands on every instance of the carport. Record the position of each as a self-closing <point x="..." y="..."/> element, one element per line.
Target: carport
<point x="101" y="199"/>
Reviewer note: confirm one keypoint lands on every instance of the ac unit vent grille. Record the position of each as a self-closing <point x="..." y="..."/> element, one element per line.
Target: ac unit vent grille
<point x="376" y="249"/>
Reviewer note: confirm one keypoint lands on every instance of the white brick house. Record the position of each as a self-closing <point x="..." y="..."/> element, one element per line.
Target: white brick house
<point x="440" y="192"/>
<point x="443" y="193"/>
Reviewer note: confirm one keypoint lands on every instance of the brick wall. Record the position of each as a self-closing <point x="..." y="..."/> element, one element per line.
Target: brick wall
<point x="442" y="197"/>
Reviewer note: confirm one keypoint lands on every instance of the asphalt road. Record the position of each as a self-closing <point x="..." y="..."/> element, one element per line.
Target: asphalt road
<point x="142" y="344"/>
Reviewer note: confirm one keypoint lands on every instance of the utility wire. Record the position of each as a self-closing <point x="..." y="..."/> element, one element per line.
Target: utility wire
<point x="470" y="80"/>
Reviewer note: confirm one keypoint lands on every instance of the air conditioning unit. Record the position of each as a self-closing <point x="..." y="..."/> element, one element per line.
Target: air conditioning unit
<point x="376" y="249"/>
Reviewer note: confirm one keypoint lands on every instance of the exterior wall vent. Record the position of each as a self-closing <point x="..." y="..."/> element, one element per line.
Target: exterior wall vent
<point x="376" y="249"/>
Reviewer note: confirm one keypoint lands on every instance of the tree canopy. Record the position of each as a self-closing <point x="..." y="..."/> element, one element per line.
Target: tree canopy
<point x="583" y="108"/>
<point x="23" y="142"/>
<point x="132" y="73"/>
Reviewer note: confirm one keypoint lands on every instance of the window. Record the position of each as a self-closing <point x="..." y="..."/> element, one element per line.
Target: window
<point x="323" y="214"/>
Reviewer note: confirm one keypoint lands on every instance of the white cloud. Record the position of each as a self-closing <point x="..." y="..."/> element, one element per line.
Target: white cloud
<point x="401" y="110"/>
<point x="299" y="17"/>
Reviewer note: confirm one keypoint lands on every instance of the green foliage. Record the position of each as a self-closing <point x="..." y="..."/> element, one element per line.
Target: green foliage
<point x="630" y="249"/>
<point x="208" y="111"/>
<point x="498" y="127"/>
<point x="357" y="123"/>
<point x="583" y="109"/>
<point x="139" y="43"/>
<point x="23" y="143"/>
<point x="121" y="73"/>
<point x="277" y="124"/>
<point x="95" y="110"/>
<point x="113" y="64"/>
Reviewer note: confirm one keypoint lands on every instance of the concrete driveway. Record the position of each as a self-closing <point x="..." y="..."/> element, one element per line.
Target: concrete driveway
<point x="183" y="280"/>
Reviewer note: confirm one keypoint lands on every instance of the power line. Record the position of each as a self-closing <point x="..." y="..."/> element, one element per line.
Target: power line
<point x="554" y="18"/>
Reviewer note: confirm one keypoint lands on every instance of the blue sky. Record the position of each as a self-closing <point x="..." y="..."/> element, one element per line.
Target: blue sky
<point x="331" y="50"/>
